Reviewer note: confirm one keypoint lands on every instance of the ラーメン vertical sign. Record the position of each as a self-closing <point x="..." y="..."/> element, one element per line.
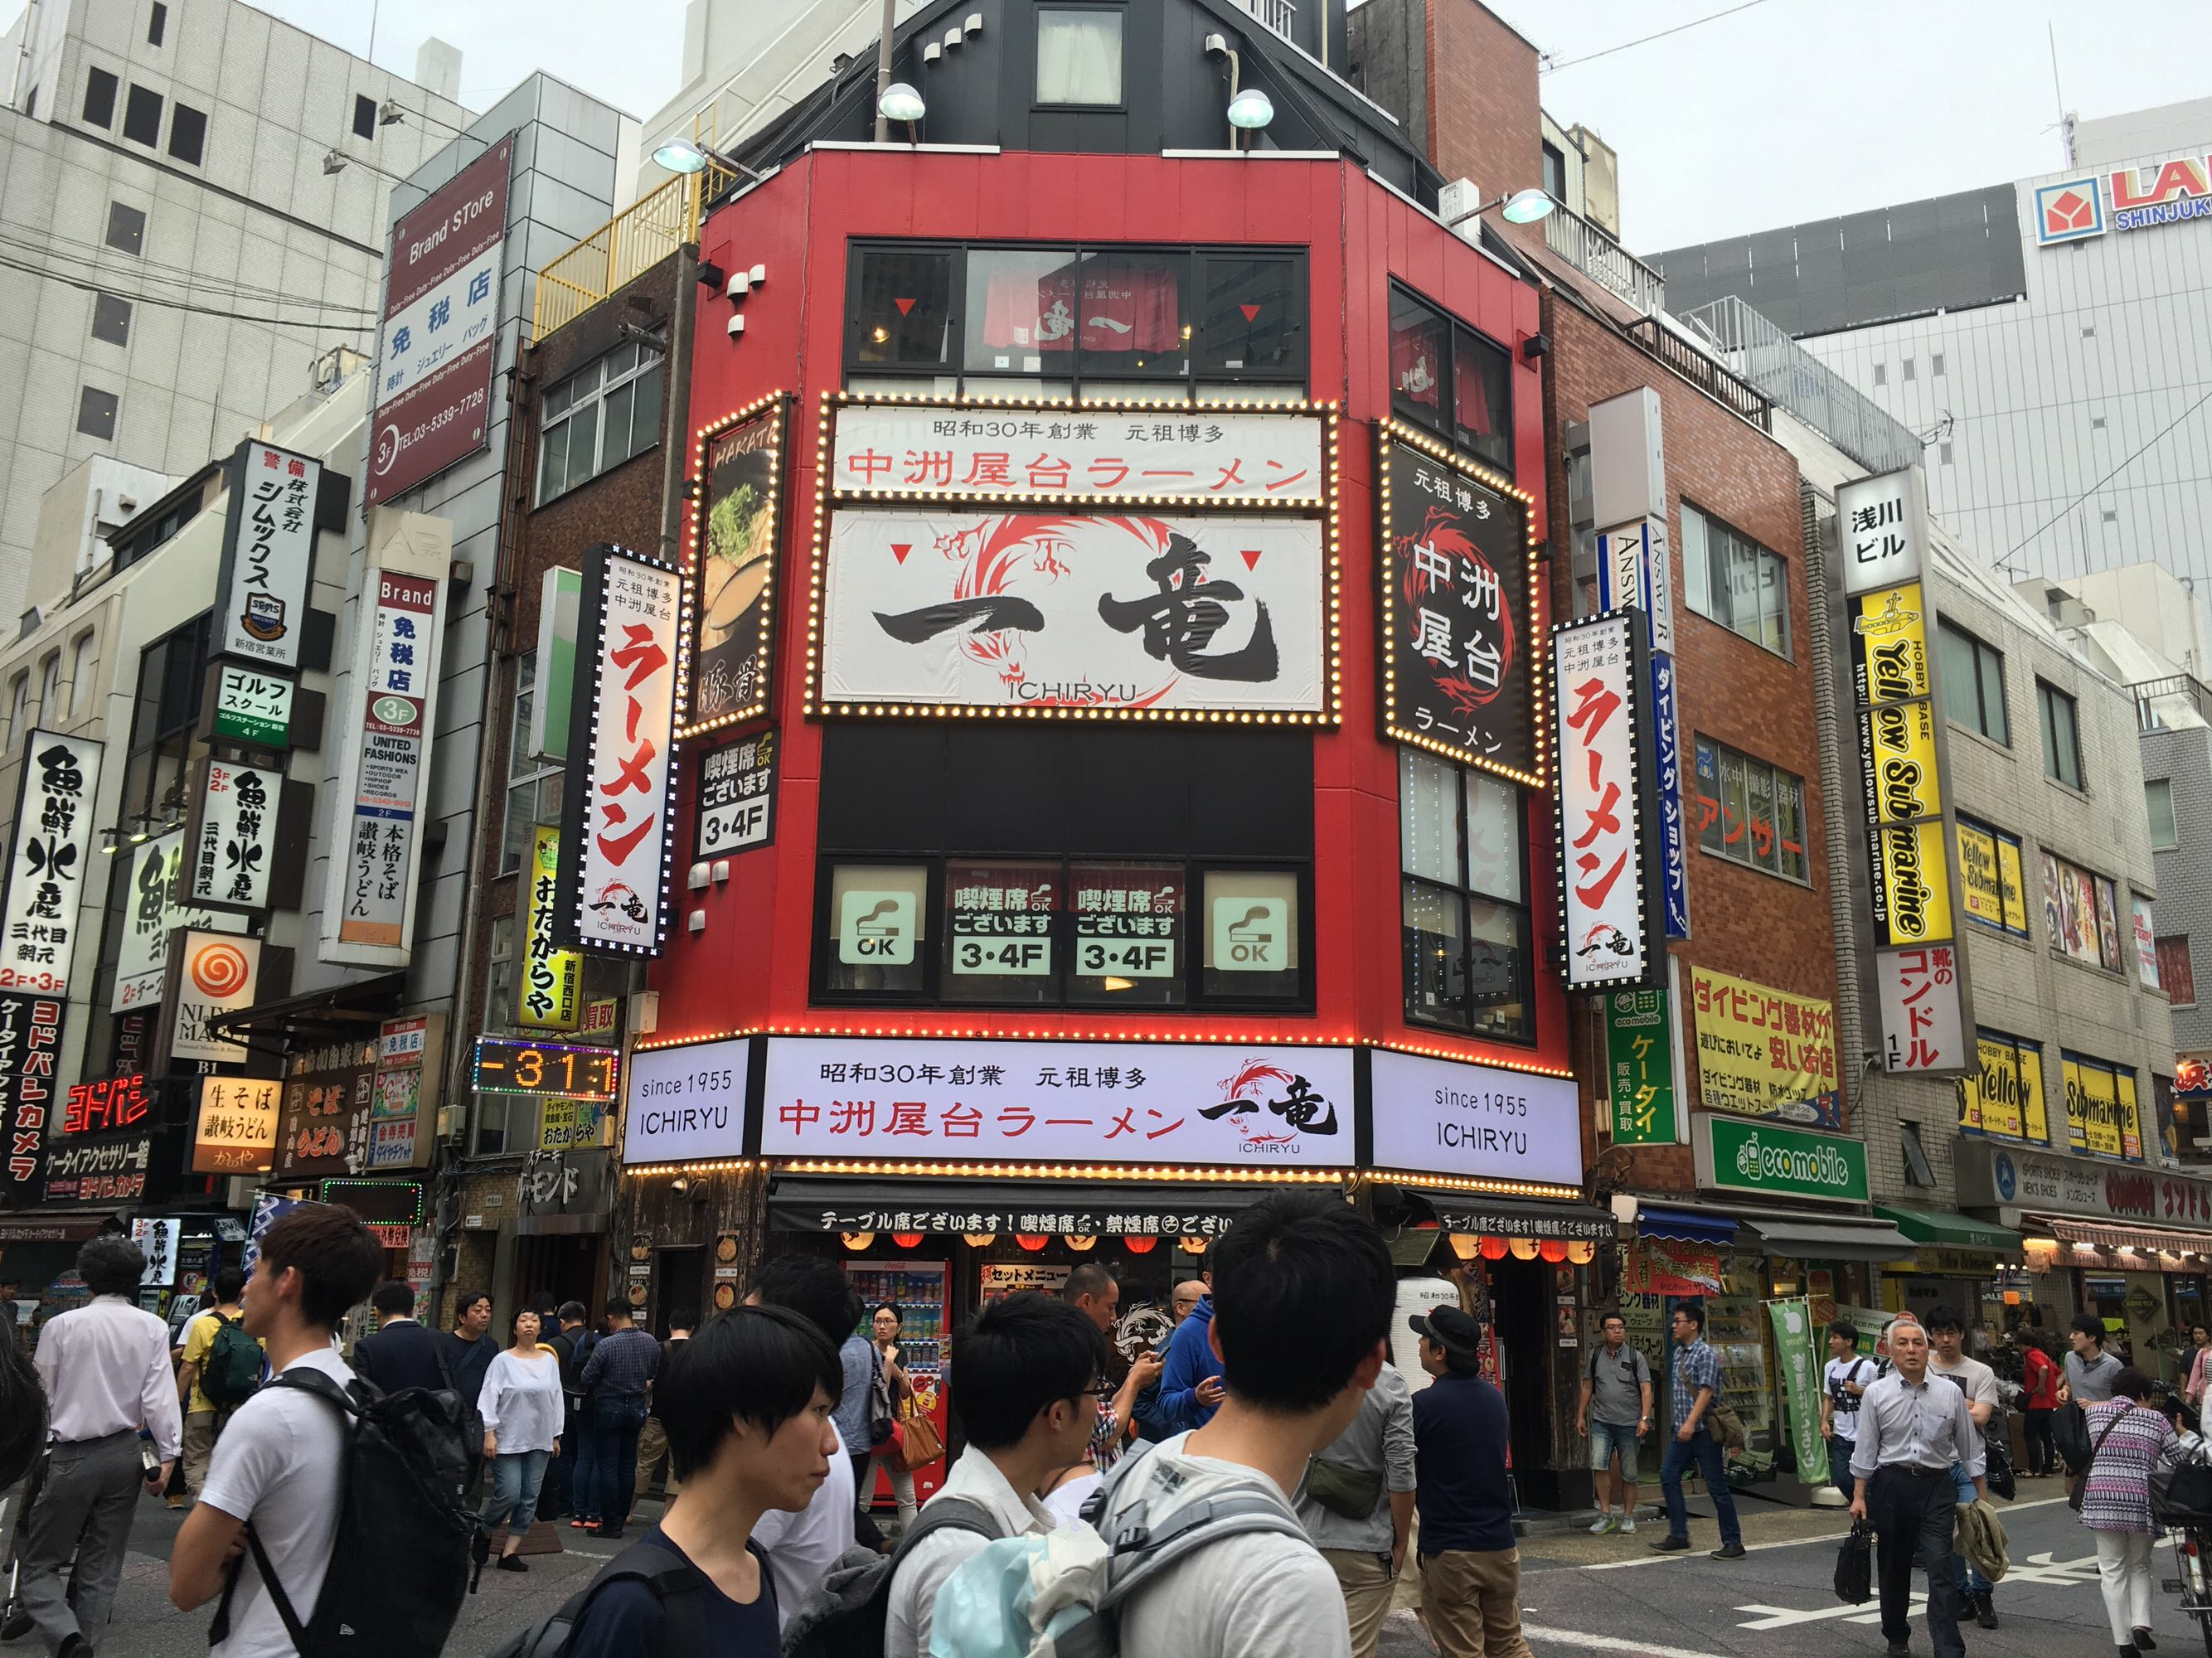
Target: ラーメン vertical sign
<point x="1606" y="839"/>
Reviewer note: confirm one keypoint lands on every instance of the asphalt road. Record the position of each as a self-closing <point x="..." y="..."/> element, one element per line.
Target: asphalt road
<point x="1580" y="1595"/>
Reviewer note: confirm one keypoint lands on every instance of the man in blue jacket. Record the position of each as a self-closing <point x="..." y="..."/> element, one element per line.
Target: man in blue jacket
<point x="1190" y="1381"/>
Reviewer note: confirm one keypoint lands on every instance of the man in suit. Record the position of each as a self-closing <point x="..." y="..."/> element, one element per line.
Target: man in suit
<point x="401" y="1353"/>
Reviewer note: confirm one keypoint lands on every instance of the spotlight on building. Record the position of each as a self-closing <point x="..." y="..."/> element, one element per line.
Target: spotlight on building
<point x="1250" y="110"/>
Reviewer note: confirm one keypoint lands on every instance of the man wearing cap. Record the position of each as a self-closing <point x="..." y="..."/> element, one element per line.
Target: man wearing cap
<point x="1470" y="1569"/>
<point x="1697" y="1384"/>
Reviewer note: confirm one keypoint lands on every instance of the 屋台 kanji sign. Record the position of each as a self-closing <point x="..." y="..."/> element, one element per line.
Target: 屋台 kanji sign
<point x="1605" y="834"/>
<point x="50" y="863"/>
<point x="268" y="555"/>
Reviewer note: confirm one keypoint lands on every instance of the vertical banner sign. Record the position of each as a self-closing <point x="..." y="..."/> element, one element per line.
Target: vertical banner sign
<point x="441" y="303"/>
<point x="622" y="774"/>
<point x="733" y="568"/>
<point x="1633" y="568"/>
<point x="268" y="555"/>
<point x="558" y="595"/>
<point x="235" y="841"/>
<point x="1639" y="1053"/>
<point x="47" y="865"/>
<point x="1605" y="840"/>
<point x="737" y="797"/>
<point x="550" y="976"/>
<point x="150" y="913"/>
<point x="1801" y="1390"/>
<point x="235" y="1132"/>
<point x="30" y="1042"/>
<point x="1883" y="563"/>
<point x="252" y="707"/>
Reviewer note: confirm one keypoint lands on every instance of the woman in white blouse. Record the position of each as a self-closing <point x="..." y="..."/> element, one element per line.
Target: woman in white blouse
<point x="521" y="1406"/>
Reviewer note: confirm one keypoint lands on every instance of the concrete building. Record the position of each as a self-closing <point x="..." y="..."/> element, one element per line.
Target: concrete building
<point x="195" y="197"/>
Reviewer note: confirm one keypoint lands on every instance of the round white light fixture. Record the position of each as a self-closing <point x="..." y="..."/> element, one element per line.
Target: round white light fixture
<point x="1250" y="110"/>
<point x="678" y="157"/>
<point x="1527" y="206"/>
<point x="901" y="102"/>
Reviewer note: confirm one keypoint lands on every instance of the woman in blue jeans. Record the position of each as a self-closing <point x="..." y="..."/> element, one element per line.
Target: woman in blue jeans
<point x="521" y="1405"/>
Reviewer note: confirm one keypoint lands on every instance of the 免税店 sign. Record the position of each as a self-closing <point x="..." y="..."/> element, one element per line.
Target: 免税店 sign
<point x="733" y="560"/>
<point x="268" y="555"/>
<point x="1603" y="735"/>
<point x="1764" y="1159"/>
<point x="1763" y="1051"/>
<point x="1436" y="1116"/>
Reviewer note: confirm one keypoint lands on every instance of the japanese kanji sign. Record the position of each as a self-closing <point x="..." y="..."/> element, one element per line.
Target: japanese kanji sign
<point x="50" y="863"/>
<point x="150" y="913"/>
<point x="1883" y="524"/>
<point x="829" y="1097"/>
<point x="1922" y="1028"/>
<point x="1639" y="1066"/>
<point x="550" y="976"/>
<point x="441" y="337"/>
<point x="733" y="558"/>
<point x="216" y="974"/>
<point x="234" y="840"/>
<point x="1087" y="455"/>
<point x="1437" y="1117"/>
<point x="251" y="706"/>
<point x="100" y="1168"/>
<point x="1459" y="620"/>
<point x="616" y="837"/>
<point x="686" y="1104"/>
<point x="736" y="796"/>
<point x="327" y="1098"/>
<point x="235" y="1132"/>
<point x="268" y="555"/>
<point x="1606" y="833"/>
<point x="30" y="1044"/>
<point x="948" y="611"/>
<point x="403" y="1096"/>
<point x="1763" y="1051"/>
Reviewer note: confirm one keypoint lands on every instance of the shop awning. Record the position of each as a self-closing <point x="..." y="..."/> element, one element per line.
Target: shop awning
<point x="2125" y="1237"/>
<point x="1683" y="1225"/>
<point x="805" y="1203"/>
<point x="1821" y="1239"/>
<point x="1471" y="1212"/>
<point x="1953" y="1231"/>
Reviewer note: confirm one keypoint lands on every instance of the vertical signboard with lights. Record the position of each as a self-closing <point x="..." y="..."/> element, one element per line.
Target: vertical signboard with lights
<point x="1879" y="575"/>
<point x="736" y="525"/>
<point x="1607" y="831"/>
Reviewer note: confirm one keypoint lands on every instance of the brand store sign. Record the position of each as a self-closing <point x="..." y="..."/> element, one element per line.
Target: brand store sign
<point x="736" y="796"/>
<point x="2141" y="198"/>
<point x="1458" y="620"/>
<point x="50" y="862"/>
<point x="687" y="1104"/>
<point x="733" y="540"/>
<point x="440" y="334"/>
<point x="1135" y="1102"/>
<point x="942" y="611"/>
<point x="215" y="974"/>
<point x="1763" y="1051"/>
<point x="150" y="913"/>
<point x="1993" y="1176"/>
<point x="30" y="1043"/>
<point x="234" y="1131"/>
<point x="1605" y="838"/>
<point x="1433" y="1116"/>
<point x="235" y="842"/>
<point x="252" y="707"/>
<point x="1244" y="456"/>
<point x="615" y="833"/>
<point x="551" y="977"/>
<point x="1768" y="1160"/>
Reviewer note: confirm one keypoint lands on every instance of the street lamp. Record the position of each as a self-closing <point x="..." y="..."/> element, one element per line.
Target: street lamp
<point x="679" y="157"/>
<point x="901" y="102"/>
<point x="1250" y="110"/>
<point x="1527" y="206"/>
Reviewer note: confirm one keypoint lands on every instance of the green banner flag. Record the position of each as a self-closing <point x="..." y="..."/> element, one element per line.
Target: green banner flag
<point x="1801" y="1386"/>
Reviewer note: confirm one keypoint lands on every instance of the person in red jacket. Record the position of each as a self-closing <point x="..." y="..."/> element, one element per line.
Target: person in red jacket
<point x="2040" y="1377"/>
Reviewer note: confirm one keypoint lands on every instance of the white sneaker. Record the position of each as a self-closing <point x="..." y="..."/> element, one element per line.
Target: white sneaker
<point x="1627" y="1523"/>
<point x="1605" y="1522"/>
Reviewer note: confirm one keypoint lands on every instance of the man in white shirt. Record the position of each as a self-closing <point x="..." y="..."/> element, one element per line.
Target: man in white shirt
<point x="1032" y="1371"/>
<point x="802" y="1544"/>
<point x="106" y="1369"/>
<point x="278" y="1464"/>
<point x="1845" y="1378"/>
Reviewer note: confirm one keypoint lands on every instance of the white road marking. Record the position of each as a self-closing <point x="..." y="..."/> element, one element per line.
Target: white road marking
<point x="2036" y="1569"/>
<point x="1652" y="1557"/>
<point x="1583" y="1643"/>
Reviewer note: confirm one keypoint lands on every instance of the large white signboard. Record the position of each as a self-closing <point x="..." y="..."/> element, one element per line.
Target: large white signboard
<point x="150" y="913"/>
<point x="1226" y="1103"/>
<point x="216" y="975"/>
<point x="1085" y="454"/>
<point x="1601" y="872"/>
<point x="1437" y="1117"/>
<point x="50" y="863"/>
<point x="960" y="609"/>
<point x="1882" y="524"/>
<point x="686" y="1104"/>
<point x="268" y="555"/>
<point x="237" y="836"/>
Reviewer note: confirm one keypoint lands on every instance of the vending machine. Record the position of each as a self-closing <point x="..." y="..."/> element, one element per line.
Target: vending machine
<point x="920" y="1289"/>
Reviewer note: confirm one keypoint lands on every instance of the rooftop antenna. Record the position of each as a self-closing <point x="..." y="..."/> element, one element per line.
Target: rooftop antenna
<point x="2065" y="121"/>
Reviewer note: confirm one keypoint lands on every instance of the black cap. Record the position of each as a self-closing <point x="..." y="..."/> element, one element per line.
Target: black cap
<point x="1449" y="1327"/>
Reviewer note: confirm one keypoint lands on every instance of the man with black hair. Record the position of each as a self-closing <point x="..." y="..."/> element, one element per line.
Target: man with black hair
<point x="203" y="1416"/>
<point x="617" y="1376"/>
<point x="747" y="1413"/>
<point x="652" y="1439"/>
<point x="803" y="1545"/>
<point x="278" y="1463"/>
<point x="1470" y="1567"/>
<point x="2089" y="1367"/>
<point x="574" y="1345"/>
<point x="1947" y="1357"/>
<point x="11" y="1329"/>
<point x="106" y="1369"/>
<point x="469" y="1351"/>
<point x="1697" y="1379"/>
<point x="1032" y="1370"/>
<point x="1092" y="1290"/>
<point x="1303" y="1290"/>
<point x="401" y="1353"/>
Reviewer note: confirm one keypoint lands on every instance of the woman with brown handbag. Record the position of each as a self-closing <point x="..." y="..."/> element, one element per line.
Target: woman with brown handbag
<point x="884" y="1328"/>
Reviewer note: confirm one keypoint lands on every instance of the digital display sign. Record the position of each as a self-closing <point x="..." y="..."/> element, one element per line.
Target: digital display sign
<point x="548" y="1070"/>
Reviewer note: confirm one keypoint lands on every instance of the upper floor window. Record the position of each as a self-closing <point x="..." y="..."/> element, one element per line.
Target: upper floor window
<point x="1730" y="579"/>
<point x="1079" y="55"/>
<point x="2101" y="1112"/>
<point x="597" y="418"/>
<point x="2082" y="914"/>
<point x="2062" y="735"/>
<point x="1464" y="937"/>
<point x="1445" y="376"/>
<point x="2157" y="801"/>
<point x="1973" y="683"/>
<point x="99" y="90"/>
<point x="187" y="134"/>
<point x="1750" y="812"/>
<point x="1555" y="172"/>
<point x="1989" y="865"/>
<point x="141" y="116"/>
<point x="364" y="116"/>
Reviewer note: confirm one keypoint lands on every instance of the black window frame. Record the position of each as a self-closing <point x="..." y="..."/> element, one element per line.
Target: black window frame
<point x="364" y="116"/>
<point x="142" y="110"/>
<point x="134" y="227"/>
<point x="1191" y="371"/>
<point x="1468" y="895"/>
<point x="1555" y="171"/>
<point x="1444" y="420"/>
<point x="157" y="24"/>
<point x="100" y="89"/>
<point x="931" y="947"/>
<point x="1700" y="741"/>
<point x="187" y="134"/>
<point x="109" y="310"/>
<point x="1985" y="656"/>
<point x="2049" y="701"/>
<point x="85" y="405"/>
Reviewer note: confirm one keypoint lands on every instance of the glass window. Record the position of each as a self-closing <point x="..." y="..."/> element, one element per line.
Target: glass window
<point x="84" y="658"/>
<point x="157" y="25"/>
<point x="100" y="89"/>
<point x="1734" y="581"/>
<point x="1436" y="956"/>
<point x="1079" y="56"/>
<point x="1493" y="838"/>
<point x="875" y="946"/>
<point x="1697" y="571"/>
<point x="1129" y="948"/>
<point x="18" y="694"/>
<point x="127" y="228"/>
<point x="597" y="418"/>
<point x="2062" y="736"/>
<point x="1555" y="172"/>
<point x="1465" y="934"/>
<point x="1481" y="388"/>
<point x="902" y="306"/>
<point x="364" y="116"/>
<point x="2157" y="801"/>
<point x="187" y="134"/>
<point x="1750" y="812"/>
<point x="1990" y="867"/>
<point x="1446" y="376"/>
<point x="95" y="413"/>
<point x="1428" y="816"/>
<point x="999" y="927"/>
<point x="1250" y="949"/>
<point x="111" y="319"/>
<point x="141" y="116"/>
<point x="1251" y="319"/>
<point x="1420" y="344"/>
<point x="1021" y="314"/>
<point x="1130" y="317"/>
<point x="533" y="788"/>
<point x="1973" y="683"/>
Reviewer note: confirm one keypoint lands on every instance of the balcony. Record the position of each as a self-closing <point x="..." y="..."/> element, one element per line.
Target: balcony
<point x="1597" y="255"/>
<point x="1702" y="372"/>
<point x="1277" y="14"/>
<point x="2177" y="702"/>
<point x="631" y="243"/>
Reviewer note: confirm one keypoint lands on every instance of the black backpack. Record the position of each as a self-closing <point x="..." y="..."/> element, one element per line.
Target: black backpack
<point x="2069" y="1436"/>
<point x="844" y="1618"/>
<point x="674" y="1581"/>
<point x="399" y="1561"/>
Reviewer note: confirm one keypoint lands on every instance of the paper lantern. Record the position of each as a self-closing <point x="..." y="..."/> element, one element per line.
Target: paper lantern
<point x="1552" y="1249"/>
<point x="1032" y="1242"/>
<point x="1138" y="1246"/>
<point x="1464" y="1244"/>
<point x="979" y="1240"/>
<point x="1492" y="1247"/>
<point x="1582" y="1252"/>
<point x="856" y="1242"/>
<point x="1078" y="1244"/>
<point x="1191" y="1245"/>
<point x="907" y="1240"/>
<point x="1524" y="1249"/>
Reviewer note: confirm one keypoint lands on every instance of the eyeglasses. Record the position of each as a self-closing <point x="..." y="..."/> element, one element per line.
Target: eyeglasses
<point x="1102" y="1388"/>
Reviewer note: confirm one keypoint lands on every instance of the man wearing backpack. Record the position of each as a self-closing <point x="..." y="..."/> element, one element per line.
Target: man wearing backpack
<point x="1032" y="1371"/>
<point x="220" y="1367"/>
<point x="1615" y="1412"/>
<point x="574" y="1345"/>
<point x="1947" y="1357"/>
<point x="1302" y="1293"/>
<point x="279" y="1465"/>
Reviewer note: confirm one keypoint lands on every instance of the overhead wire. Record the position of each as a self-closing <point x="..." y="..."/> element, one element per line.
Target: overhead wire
<point x="2132" y="456"/>
<point x="1646" y="39"/>
<point x="65" y="249"/>
<point x="363" y="326"/>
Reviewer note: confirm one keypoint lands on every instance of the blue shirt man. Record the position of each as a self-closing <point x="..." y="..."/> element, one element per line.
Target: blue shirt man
<point x="1696" y="1390"/>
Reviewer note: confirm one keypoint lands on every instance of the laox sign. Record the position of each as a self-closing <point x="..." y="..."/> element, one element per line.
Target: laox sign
<point x="2142" y="197"/>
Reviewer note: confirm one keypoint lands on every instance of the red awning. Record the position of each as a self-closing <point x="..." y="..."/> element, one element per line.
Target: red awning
<point x="2128" y="1237"/>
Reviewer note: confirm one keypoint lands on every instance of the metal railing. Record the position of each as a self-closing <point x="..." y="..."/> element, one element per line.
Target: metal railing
<point x="1596" y="254"/>
<point x="1702" y="372"/>
<point x="1789" y="375"/>
<point x="1277" y="14"/>
<point x="2167" y="704"/>
<point x="635" y="240"/>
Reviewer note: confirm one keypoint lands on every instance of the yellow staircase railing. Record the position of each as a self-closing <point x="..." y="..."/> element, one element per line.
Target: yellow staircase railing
<point x="635" y="240"/>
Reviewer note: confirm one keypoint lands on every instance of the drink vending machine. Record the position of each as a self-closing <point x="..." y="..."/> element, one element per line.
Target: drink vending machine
<point x="920" y="1289"/>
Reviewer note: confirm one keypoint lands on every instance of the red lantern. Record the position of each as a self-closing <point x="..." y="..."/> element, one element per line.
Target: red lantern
<point x="1139" y="1246"/>
<point x="907" y="1240"/>
<point x="1493" y="1248"/>
<point x="1032" y="1242"/>
<point x="1552" y="1249"/>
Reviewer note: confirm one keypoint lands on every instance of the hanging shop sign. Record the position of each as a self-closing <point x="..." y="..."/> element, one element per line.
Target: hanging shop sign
<point x="1763" y="1051"/>
<point x="1921" y="1019"/>
<point x="1437" y="1117"/>
<point x="234" y="1131"/>
<point x="1764" y="1159"/>
<point x="615" y="833"/>
<point x="1606" y="839"/>
<point x="368" y="900"/>
<point x="1883" y="522"/>
<point x="235" y="838"/>
<point x="151" y="914"/>
<point x="1897" y="762"/>
<point x="252" y="706"/>
<point x="30" y="1044"/>
<point x="1249" y="456"/>
<point x="49" y="862"/>
<point x="556" y="1070"/>
<point x="570" y="1125"/>
<point x="100" y="1168"/>
<point x="1889" y="647"/>
<point x="391" y="1209"/>
<point x="2102" y="1114"/>
<point x="403" y="1100"/>
<point x="736" y="796"/>
<point x="1059" y="1101"/>
<point x="1667" y="1267"/>
<point x="733" y="561"/>
<point x="1639" y="1052"/>
<point x="560" y="596"/>
<point x="213" y="974"/>
<point x="268" y="555"/>
<point x="441" y="336"/>
<point x="1460" y="614"/>
<point x="157" y="1238"/>
<point x="104" y="1103"/>
<point x="551" y="977"/>
<point x="327" y="1097"/>
<point x="932" y="611"/>
<point x="687" y="1104"/>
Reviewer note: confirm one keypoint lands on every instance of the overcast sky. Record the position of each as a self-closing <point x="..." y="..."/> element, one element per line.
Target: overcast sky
<point x="1787" y="110"/>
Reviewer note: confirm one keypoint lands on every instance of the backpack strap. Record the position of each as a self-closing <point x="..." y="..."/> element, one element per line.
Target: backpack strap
<point x="306" y="1379"/>
<point x="943" y="1513"/>
<point x="1141" y="1552"/>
